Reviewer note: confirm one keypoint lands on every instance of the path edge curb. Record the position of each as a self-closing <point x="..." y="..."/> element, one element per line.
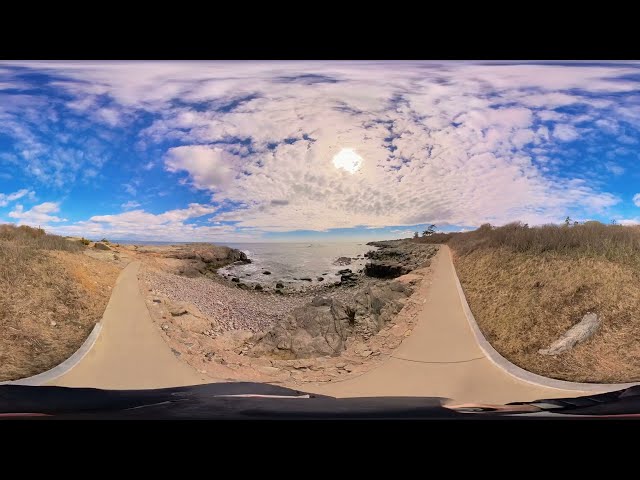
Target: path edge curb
<point x="65" y="366"/>
<point x="520" y="373"/>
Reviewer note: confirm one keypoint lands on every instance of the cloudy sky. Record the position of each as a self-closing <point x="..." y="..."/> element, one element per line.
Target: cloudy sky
<point x="270" y="151"/>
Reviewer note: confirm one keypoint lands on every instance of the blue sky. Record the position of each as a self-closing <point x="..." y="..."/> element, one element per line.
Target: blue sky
<point x="297" y="151"/>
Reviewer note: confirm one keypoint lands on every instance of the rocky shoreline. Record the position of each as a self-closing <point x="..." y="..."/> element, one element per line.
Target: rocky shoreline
<point x="221" y="328"/>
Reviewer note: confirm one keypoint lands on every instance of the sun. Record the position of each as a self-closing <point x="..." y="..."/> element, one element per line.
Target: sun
<point x="347" y="159"/>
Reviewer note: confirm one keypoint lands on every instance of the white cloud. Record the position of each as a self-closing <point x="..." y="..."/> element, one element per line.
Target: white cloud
<point x="140" y="225"/>
<point x="38" y="215"/>
<point x="5" y="199"/>
<point x="565" y="133"/>
<point x="130" y="204"/>
<point x="209" y="167"/>
<point x="130" y="188"/>
<point x="614" y="168"/>
<point x="444" y="143"/>
<point x="636" y="199"/>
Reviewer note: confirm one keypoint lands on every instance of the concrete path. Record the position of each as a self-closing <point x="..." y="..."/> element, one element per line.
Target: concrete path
<point x="130" y="352"/>
<point x="441" y="358"/>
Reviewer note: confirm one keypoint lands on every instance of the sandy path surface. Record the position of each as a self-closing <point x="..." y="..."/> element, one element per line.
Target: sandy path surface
<point x="441" y="357"/>
<point x="130" y="352"/>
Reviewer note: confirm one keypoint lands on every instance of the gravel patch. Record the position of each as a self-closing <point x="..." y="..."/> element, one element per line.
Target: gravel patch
<point x="232" y="308"/>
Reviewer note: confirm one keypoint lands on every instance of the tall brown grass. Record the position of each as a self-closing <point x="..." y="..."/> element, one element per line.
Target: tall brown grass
<point x="591" y="239"/>
<point x="528" y="285"/>
<point x="36" y="238"/>
<point x="50" y="298"/>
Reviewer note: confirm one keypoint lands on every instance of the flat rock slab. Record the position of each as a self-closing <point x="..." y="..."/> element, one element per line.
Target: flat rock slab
<point x="580" y="332"/>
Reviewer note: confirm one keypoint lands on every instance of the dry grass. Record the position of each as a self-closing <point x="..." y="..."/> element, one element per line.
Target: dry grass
<point x="44" y="279"/>
<point x="527" y="286"/>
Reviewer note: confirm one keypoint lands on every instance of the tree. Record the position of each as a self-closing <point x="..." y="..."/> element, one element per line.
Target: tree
<point x="431" y="229"/>
<point x="416" y="234"/>
<point x="614" y="222"/>
<point x="567" y="221"/>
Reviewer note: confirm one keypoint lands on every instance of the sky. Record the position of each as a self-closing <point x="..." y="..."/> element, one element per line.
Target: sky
<point x="301" y="151"/>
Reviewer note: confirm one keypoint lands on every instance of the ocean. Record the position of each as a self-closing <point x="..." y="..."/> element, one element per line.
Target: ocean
<point x="289" y="262"/>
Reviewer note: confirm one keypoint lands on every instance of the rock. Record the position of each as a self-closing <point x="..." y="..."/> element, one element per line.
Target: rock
<point x="343" y="261"/>
<point x="279" y="292"/>
<point x="308" y="331"/>
<point x="320" y="279"/>
<point x="279" y="285"/>
<point x="306" y="279"/>
<point x="348" y="278"/>
<point x="157" y="300"/>
<point x="321" y="301"/>
<point x="580" y="332"/>
<point x="192" y="323"/>
<point x="165" y="326"/>
<point x="243" y="286"/>
<point x="409" y="279"/>
<point x="53" y="323"/>
<point x="366" y="353"/>
<point x="101" y="246"/>
<point x="178" y="308"/>
<point x="266" y="272"/>
<point x="247" y="274"/>
<point x="258" y="287"/>
<point x="235" y="279"/>
<point x="385" y="269"/>
<point x="344" y="272"/>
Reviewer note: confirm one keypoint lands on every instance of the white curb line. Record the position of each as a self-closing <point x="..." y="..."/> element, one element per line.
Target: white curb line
<point x="519" y="373"/>
<point x="65" y="366"/>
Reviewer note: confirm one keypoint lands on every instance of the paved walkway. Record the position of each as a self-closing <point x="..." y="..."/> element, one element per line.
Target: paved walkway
<point x="441" y="358"/>
<point x="130" y="352"/>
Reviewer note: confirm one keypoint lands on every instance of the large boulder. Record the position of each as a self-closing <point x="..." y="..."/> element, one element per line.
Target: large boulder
<point x="102" y="246"/>
<point x="323" y="326"/>
<point x="317" y="329"/>
<point x="396" y="258"/>
<point x="385" y="269"/>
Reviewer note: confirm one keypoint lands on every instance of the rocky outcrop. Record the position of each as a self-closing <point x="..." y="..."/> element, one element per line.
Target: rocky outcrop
<point x="194" y="260"/>
<point x="102" y="246"/>
<point x="397" y="257"/>
<point x="580" y="332"/>
<point x="323" y="326"/>
<point x="385" y="269"/>
<point x="309" y="331"/>
<point x="347" y="277"/>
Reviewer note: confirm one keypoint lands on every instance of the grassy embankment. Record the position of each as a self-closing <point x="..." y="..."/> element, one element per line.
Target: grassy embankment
<point x="527" y="285"/>
<point x="51" y="295"/>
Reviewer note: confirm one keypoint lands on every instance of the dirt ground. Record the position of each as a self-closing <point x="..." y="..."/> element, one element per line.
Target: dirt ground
<point x="524" y="302"/>
<point x="193" y="338"/>
<point x="49" y="305"/>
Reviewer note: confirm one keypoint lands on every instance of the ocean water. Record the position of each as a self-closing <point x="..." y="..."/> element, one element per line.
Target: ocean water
<point x="289" y="262"/>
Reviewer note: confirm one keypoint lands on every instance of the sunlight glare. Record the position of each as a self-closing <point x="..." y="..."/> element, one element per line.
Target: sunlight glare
<point x="347" y="159"/>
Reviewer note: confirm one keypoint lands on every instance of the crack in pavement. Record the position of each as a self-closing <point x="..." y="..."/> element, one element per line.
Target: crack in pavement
<point x="424" y="361"/>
